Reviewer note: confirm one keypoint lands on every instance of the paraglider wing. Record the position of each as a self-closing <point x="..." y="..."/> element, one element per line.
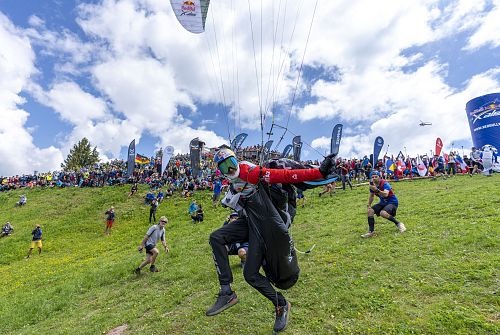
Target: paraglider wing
<point x="191" y="14"/>
<point x="321" y="182"/>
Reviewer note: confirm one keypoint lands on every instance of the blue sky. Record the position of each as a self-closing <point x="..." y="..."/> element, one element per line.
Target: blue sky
<point x="117" y="70"/>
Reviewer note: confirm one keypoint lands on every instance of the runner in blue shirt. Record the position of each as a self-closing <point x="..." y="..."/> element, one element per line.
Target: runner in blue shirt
<point x="387" y="206"/>
<point x="36" y="241"/>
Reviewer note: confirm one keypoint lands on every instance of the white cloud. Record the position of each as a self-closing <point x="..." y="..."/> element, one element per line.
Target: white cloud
<point x="489" y="31"/>
<point x="73" y="104"/>
<point x="19" y="154"/>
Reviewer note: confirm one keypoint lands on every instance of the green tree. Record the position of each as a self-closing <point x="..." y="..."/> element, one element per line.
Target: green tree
<point x="81" y="155"/>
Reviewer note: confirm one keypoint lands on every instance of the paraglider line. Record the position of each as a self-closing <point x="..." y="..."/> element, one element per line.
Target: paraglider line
<point x="305" y="252"/>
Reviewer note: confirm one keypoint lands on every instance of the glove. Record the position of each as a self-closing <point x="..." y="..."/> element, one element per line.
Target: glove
<point x="327" y="165"/>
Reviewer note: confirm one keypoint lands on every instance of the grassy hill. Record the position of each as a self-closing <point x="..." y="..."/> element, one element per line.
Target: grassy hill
<point x="440" y="277"/>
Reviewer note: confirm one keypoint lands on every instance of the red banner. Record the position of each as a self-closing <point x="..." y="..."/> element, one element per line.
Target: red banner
<point x="439" y="146"/>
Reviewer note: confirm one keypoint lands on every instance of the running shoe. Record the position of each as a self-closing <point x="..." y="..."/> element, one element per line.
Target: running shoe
<point x="224" y="301"/>
<point x="282" y="314"/>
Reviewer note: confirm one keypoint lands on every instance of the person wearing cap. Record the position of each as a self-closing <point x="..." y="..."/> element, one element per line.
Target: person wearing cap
<point x="7" y="229"/>
<point x="154" y="234"/>
<point x="237" y="248"/>
<point x="386" y="207"/>
<point x="110" y="219"/>
<point x="36" y="240"/>
<point x="244" y="188"/>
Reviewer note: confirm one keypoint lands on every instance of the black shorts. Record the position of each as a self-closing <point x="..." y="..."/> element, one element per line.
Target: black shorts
<point x="215" y="196"/>
<point x="149" y="247"/>
<point x="389" y="208"/>
<point x="439" y="169"/>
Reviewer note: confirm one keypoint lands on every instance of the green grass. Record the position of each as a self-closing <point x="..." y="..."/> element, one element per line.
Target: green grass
<point x="440" y="277"/>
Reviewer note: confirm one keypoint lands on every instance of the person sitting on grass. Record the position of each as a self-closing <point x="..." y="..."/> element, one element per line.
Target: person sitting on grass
<point x="160" y="196"/>
<point x="7" y="229"/>
<point x="154" y="234"/>
<point x="133" y="189"/>
<point x="197" y="216"/>
<point x="150" y="196"/>
<point x="22" y="200"/>
<point x="192" y="207"/>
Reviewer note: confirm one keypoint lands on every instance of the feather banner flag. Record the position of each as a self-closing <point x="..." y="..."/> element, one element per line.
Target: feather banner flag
<point x="131" y="159"/>
<point x="439" y="146"/>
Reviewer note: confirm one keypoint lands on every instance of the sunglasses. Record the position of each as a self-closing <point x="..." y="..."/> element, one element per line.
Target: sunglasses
<point x="228" y="163"/>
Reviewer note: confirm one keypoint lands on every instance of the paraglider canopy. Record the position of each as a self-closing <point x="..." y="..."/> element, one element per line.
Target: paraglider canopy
<point x="191" y="14"/>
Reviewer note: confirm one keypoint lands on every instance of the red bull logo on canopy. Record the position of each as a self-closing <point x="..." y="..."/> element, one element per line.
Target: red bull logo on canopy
<point x="188" y="8"/>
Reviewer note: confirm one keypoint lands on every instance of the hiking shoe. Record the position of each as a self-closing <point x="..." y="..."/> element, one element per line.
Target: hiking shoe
<point x="224" y="301"/>
<point x="369" y="234"/>
<point x="282" y="313"/>
<point x="137" y="271"/>
<point x="153" y="269"/>
<point x="401" y="227"/>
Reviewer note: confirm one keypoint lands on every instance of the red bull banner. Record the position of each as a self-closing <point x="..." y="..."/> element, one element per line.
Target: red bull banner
<point x="483" y="114"/>
<point x="439" y="146"/>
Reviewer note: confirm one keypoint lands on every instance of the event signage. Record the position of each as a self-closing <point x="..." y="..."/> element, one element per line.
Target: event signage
<point x="439" y="146"/>
<point x="131" y="159"/>
<point x="297" y="148"/>
<point x="483" y="114"/>
<point x="335" y="141"/>
<point x="377" y="147"/>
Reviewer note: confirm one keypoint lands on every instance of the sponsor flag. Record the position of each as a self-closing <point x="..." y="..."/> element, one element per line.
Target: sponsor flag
<point x="195" y="147"/>
<point x="336" y="137"/>
<point x="131" y="159"/>
<point x="167" y="154"/>
<point x="421" y="168"/>
<point x="297" y="148"/>
<point x="286" y="151"/>
<point x="377" y="147"/>
<point x="439" y="146"/>
<point x="238" y="141"/>
<point x="266" y="150"/>
<point x="142" y="159"/>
